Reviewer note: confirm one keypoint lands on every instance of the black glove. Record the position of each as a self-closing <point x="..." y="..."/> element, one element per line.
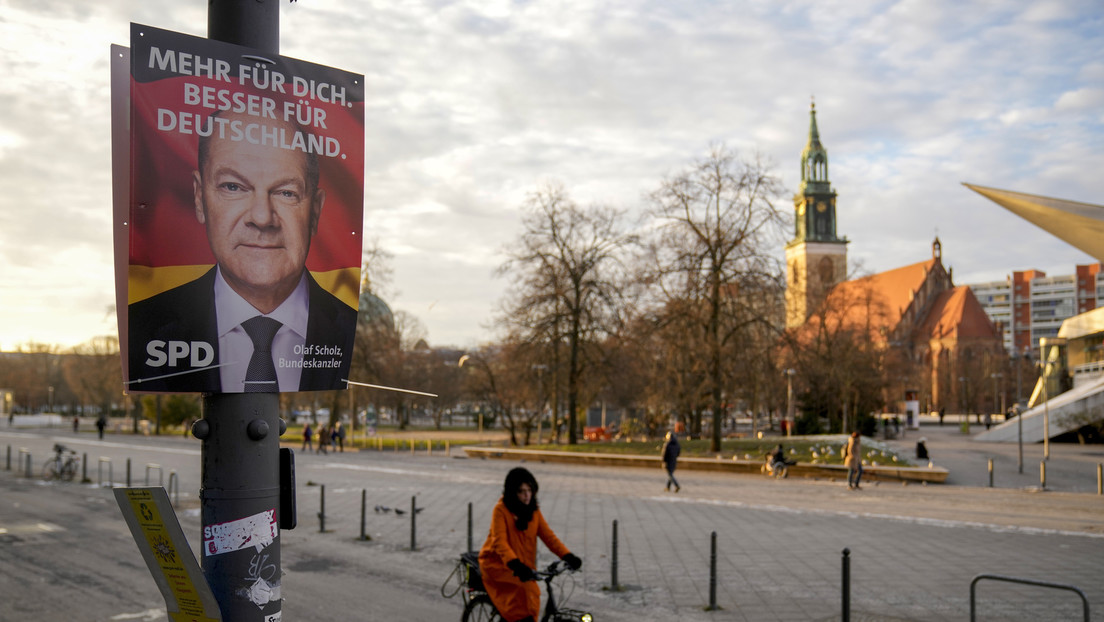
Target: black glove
<point x="572" y="561"/>
<point x="521" y="571"/>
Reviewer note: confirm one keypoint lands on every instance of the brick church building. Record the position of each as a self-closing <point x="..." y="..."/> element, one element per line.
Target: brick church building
<point x="939" y="334"/>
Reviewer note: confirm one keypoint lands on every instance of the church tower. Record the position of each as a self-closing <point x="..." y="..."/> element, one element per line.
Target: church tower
<point x="816" y="258"/>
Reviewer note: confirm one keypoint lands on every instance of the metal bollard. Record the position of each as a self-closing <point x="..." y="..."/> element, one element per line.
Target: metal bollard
<point x="413" y="522"/>
<point x="322" y="510"/>
<point x="448" y="450"/>
<point x="9" y="459"/>
<point x="174" y="487"/>
<point x="128" y="472"/>
<point x="845" y="597"/>
<point x="613" y="561"/>
<point x="28" y="470"/>
<point x="429" y="448"/>
<point x="110" y="472"/>
<point x="990" y="472"/>
<point x="160" y="473"/>
<point x="1100" y="479"/>
<point x="363" y="513"/>
<point x="84" y="468"/>
<point x="469" y="526"/>
<point x="712" y="572"/>
<point x="1042" y="474"/>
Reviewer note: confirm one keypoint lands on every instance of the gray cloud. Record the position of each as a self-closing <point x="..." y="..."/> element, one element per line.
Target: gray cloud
<point x="473" y="104"/>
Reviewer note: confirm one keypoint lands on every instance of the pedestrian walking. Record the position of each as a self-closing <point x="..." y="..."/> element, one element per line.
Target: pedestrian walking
<point x="323" y="439"/>
<point x="670" y="454"/>
<point x="852" y="457"/>
<point x="942" y="413"/>
<point x="988" y="420"/>
<point x="76" y="425"/>
<point x="101" y="423"/>
<point x="308" y="435"/>
<point x="339" y="434"/>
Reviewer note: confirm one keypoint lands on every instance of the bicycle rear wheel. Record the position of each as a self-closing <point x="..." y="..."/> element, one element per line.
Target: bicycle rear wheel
<point x="69" y="471"/>
<point x="50" y="471"/>
<point x="480" y="609"/>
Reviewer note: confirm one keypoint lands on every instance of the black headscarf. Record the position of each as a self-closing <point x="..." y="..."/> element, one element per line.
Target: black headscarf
<point x="524" y="513"/>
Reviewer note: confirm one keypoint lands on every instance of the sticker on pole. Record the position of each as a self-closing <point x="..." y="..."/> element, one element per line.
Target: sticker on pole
<point x="258" y="531"/>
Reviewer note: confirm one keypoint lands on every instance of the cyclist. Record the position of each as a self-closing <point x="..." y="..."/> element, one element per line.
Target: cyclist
<point x="509" y="555"/>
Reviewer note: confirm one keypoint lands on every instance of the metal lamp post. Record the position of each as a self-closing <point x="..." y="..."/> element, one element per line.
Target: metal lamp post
<point x="789" y="401"/>
<point x="1019" y="412"/>
<point x="1046" y="408"/>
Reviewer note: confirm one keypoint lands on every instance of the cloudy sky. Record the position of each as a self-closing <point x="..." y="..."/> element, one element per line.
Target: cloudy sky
<point x="473" y="104"/>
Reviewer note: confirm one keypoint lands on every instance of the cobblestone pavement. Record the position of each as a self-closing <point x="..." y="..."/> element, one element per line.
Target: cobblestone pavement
<point x="913" y="549"/>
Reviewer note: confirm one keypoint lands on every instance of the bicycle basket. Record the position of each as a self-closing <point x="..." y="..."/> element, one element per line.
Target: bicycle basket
<point x="465" y="574"/>
<point x="472" y="578"/>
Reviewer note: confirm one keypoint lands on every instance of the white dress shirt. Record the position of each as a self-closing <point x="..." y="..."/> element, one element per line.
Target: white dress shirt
<point x="235" y="346"/>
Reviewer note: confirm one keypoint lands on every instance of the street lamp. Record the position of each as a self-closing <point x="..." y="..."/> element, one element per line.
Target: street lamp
<point x="1019" y="412"/>
<point x="789" y="401"/>
<point x="540" y="399"/>
<point x="490" y="376"/>
<point x="1043" y="365"/>
<point x="998" y="386"/>
<point x="965" y="397"/>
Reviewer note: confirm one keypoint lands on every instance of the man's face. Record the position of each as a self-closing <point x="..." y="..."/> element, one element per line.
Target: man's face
<point x="259" y="216"/>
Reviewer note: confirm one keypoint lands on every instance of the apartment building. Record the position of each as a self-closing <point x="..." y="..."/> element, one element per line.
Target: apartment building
<point x="1029" y="304"/>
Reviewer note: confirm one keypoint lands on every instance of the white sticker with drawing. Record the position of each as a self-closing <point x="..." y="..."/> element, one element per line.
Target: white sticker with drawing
<point x="257" y="531"/>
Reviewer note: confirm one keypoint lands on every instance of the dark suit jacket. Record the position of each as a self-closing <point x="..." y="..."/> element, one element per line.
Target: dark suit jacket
<point x="187" y="313"/>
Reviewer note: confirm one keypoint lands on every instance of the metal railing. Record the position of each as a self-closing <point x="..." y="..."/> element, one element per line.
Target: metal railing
<point x="997" y="577"/>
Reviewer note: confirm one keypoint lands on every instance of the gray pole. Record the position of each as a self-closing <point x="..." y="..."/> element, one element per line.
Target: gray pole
<point x="241" y="431"/>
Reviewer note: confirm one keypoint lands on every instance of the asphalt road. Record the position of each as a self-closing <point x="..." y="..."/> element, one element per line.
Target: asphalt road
<point x="67" y="554"/>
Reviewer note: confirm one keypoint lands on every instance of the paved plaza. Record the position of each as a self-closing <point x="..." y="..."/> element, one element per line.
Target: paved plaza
<point x="913" y="549"/>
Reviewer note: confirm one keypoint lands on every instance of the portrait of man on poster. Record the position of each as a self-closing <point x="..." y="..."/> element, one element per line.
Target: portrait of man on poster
<point x="257" y="321"/>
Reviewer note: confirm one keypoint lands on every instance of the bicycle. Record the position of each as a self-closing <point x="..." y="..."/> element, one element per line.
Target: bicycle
<point x="63" y="465"/>
<point x="477" y="603"/>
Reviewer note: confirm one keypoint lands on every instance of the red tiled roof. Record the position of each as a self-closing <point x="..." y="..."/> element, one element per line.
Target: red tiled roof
<point x="957" y="313"/>
<point x="893" y="291"/>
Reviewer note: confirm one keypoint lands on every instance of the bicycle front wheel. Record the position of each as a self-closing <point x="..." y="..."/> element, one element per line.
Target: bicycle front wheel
<point x="50" y="471"/>
<point x="480" y="609"/>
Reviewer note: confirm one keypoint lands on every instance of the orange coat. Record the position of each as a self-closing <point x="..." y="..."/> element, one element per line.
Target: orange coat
<point x="514" y="599"/>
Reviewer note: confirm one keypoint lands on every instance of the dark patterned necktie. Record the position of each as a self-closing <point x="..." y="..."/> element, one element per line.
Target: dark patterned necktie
<point x="260" y="377"/>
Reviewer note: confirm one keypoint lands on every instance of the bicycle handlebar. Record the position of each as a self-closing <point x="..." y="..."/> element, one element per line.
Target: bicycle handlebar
<point x="553" y="570"/>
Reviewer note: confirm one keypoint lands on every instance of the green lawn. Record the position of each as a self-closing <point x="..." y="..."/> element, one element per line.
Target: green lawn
<point x="810" y="450"/>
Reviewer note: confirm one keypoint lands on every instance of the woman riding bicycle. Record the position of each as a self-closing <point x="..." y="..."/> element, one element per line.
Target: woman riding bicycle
<point x="509" y="555"/>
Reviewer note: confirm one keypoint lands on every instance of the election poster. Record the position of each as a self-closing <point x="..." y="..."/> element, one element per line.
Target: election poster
<point x="244" y="220"/>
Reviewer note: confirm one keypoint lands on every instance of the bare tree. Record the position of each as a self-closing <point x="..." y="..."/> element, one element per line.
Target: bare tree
<point x="716" y="225"/>
<point x="567" y="271"/>
<point x="95" y="373"/>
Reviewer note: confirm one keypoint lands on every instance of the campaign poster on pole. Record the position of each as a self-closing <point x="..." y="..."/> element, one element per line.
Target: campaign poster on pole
<point x="245" y="218"/>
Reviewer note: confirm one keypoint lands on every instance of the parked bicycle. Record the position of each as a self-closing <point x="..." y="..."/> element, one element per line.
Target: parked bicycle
<point x="479" y="608"/>
<point x="63" y="465"/>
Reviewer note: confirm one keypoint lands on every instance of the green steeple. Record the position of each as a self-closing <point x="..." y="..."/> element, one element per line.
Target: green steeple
<point x="814" y="159"/>
<point x="815" y="201"/>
